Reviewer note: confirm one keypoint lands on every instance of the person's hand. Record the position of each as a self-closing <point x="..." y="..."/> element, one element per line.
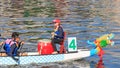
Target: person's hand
<point x="21" y="43"/>
<point x="52" y="34"/>
<point x="1" y="43"/>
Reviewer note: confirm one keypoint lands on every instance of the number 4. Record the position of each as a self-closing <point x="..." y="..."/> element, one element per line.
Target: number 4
<point x="72" y="44"/>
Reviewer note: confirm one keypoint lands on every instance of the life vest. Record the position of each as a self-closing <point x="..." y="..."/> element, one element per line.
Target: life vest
<point x="8" y="44"/>
<point x="9" y="41"/>
<point x="59" y="33"/>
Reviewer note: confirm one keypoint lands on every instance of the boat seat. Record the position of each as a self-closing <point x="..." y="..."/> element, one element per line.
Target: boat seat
<point x="62" y="47"/>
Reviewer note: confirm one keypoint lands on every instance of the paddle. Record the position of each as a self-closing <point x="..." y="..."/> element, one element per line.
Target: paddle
<point x="3" y="38"/>
<point x="1" y="43"/>
<point x="21" y="45"/>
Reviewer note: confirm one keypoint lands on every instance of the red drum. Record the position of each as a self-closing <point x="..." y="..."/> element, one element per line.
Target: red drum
<point x="45" y="47"/>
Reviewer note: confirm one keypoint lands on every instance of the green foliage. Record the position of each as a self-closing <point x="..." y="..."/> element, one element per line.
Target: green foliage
<point x="39" y="8"/>
<point x="26" y="13"/>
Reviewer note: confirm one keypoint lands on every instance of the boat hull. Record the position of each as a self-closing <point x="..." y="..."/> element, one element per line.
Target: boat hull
<point x="22" y="60"/>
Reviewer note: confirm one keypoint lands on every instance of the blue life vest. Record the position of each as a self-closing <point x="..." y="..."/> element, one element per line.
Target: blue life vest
<point x="59" y="33"/>
<point x="7" y="47"/>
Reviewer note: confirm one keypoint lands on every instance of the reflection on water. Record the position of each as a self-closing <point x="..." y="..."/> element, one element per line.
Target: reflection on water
<point x="73" y="64"/>
<point x="84" y="19"/>
<point x="70" y="64"/>
<point x="35" y="8"/>
<point x="39" y="8"/>
<point x="99" y="64"/>
<point x="60" y="8"/>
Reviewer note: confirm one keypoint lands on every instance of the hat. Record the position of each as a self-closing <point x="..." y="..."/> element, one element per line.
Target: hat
<point x="56" y="21"/>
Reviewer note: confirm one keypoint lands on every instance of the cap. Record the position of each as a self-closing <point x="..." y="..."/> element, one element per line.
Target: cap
<point x="56" y="21"/>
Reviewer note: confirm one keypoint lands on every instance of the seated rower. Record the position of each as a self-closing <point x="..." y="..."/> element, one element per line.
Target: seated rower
<point x="57" y="35"/>
<point x="12" y="45"/>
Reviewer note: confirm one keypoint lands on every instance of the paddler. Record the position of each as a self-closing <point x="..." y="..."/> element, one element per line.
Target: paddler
<point x="57" y="35"/>
<point x="12" y="44"/>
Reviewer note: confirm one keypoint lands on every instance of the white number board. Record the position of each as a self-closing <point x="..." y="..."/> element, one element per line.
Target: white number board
<point x="72" y="45"/>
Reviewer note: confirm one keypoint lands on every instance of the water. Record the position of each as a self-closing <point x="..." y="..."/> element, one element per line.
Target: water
<point x="84" y="19"/>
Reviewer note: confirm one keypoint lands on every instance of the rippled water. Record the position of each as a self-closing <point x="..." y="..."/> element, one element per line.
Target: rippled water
<point x="84" y="19"/>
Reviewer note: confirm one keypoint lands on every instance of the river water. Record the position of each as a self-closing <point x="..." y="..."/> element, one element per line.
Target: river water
<point x="84" y="19"/>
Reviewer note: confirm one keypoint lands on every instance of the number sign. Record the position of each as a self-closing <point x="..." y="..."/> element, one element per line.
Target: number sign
<point x="72" y="46"/>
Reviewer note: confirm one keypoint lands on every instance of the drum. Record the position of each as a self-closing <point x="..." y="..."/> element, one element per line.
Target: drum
<point x="45" y="47"/>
